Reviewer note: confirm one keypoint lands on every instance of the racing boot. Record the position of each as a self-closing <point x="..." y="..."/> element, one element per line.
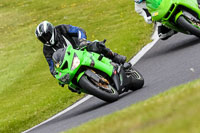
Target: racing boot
<point x="164" y="33"/>
<point x="147" y="17"/>
<point x="127" y="65"/>
<point x="120" y="59"/>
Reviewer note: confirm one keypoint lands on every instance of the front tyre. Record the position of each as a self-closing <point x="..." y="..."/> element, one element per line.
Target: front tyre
<point x="103" y="91"/>
<point x="189" y="25"/>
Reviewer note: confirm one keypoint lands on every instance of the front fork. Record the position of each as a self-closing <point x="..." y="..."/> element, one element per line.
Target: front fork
<point x="178" y="15"/>
<point x="187" y="15"/>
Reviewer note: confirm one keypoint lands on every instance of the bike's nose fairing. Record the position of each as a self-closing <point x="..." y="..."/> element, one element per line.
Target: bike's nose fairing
<point x="64" y="68"/>
<point x="190" y="4"/>
<point x="76" y="58"/>
<point x="158" y="8"/>
<point x="163" y="9"/>
<point x="153" y="4"/>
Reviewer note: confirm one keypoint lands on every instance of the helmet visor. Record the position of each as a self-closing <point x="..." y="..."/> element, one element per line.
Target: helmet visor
<point x="45" y="37"/>
<point x="42" y="39"/>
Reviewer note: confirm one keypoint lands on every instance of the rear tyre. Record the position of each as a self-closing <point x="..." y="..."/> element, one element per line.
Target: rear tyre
<point x="105" y="92"/>
<point x="137" y="80"/>
<point x="189" y="25"/>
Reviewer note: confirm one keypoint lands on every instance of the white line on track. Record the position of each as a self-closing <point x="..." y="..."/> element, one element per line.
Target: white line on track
<point x="146" y="48"/>
<point x="134" y="60"/>
<point x="64" y="111"/>
<point x="142" y="52"/>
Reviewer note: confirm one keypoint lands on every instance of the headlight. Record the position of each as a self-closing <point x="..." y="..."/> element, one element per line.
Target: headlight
<point x="75" y="62"/>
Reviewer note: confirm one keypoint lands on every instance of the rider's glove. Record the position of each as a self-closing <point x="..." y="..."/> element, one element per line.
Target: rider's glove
<point x="62" y="85"/>
<point x="73" y="90"/>
<point x="53" y="72"/>
<point x="139" y="1"/>
<point x="83" y="42"/>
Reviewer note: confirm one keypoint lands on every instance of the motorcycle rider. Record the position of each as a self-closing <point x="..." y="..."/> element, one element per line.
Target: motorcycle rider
<point x="163" y="32"/>
<point x="54" y="38"/>
<point x="141" y="9"/>
<point x="198" y="1"/>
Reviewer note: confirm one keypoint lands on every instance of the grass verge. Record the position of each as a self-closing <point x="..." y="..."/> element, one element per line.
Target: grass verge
<point x="174" y="111"/>
<point x="28" y="93"/>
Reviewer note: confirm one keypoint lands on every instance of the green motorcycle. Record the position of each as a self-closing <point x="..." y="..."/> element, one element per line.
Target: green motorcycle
<point x="94" y="74"/>
<point x="179" y="15"/>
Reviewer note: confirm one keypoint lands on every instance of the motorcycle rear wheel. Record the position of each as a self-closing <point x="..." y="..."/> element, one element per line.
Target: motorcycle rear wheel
<point x="104" y="92"/>
<point x="137" y="80"/>
<point x="188" y="25"/>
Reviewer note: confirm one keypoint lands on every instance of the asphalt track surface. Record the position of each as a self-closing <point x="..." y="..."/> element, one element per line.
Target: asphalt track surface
<point x="169" y="63"/>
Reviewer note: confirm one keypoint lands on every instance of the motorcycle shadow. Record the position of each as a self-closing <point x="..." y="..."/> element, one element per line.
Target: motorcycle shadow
<point x="185" y="44"/>
<point x="125" y="94"/>
<point x="77" y="112"/>
<point x="88" y="108"/>
<point x="173" y="44"/>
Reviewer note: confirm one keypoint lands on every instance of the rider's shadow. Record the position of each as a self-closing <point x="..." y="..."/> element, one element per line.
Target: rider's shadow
<point x="88" y="108"/>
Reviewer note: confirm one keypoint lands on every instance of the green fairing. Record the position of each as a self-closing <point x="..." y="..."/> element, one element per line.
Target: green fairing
<point x="86" y="59"/>
<point x="79" y="76"/>
<point x="154" y="4"/>
<point x="163" y="10"/>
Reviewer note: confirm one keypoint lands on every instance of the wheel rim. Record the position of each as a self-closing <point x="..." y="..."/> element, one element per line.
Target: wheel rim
<point x="194" y="23"/>
<point x="105" y="85"/>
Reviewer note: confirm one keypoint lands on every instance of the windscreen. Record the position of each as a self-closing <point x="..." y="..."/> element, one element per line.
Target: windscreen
<point x="153" y="4"/>
<point x="58" y="57"/>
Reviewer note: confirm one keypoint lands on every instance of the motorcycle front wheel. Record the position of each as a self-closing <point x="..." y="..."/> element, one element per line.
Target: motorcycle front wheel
<point x="103" y="91"/>
<point x="189" y="25"/>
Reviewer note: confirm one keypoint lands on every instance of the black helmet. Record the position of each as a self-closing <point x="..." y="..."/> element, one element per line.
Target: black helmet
<point x="45" y="32"/>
